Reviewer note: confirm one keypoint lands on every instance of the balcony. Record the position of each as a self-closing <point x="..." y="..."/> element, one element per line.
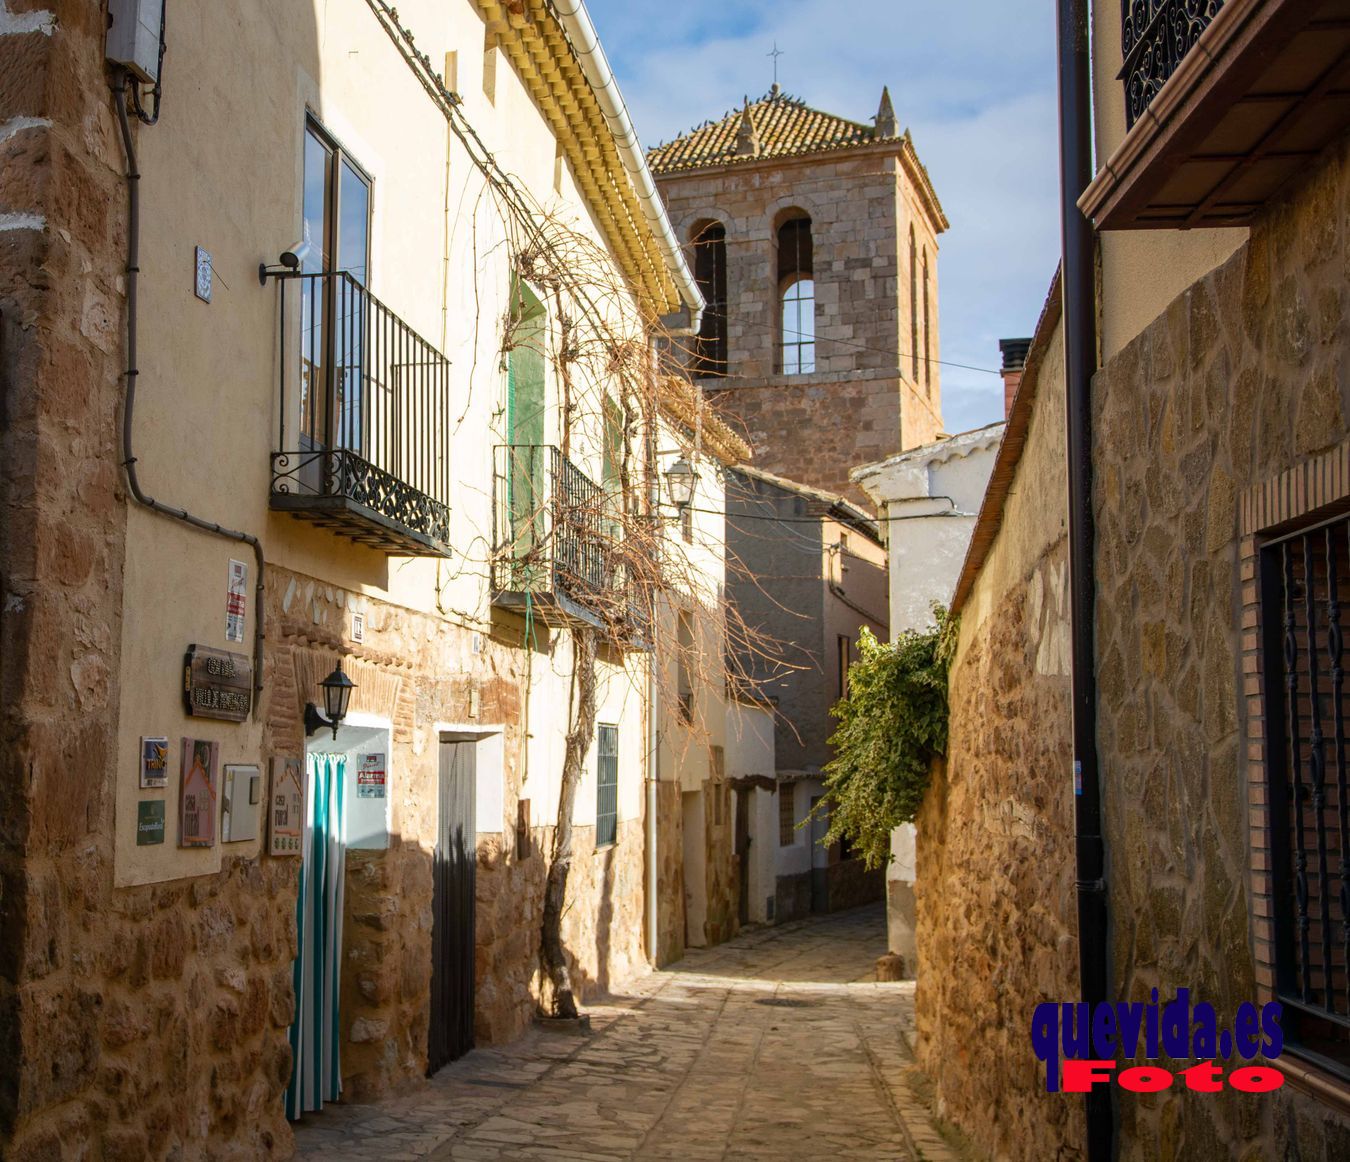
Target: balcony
<point x="1226" y="101"/>
<point x="365" y="407"/>
<point x="557" y="543"/>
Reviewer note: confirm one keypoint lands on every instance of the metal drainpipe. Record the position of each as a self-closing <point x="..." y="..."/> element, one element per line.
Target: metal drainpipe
<point x="129" y="401"/>
<point x="653" y="804"/>
<point x="1078" y="288"/>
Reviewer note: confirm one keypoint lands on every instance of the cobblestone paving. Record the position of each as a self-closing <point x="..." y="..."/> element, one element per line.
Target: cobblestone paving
<point x="777" y="1045"/>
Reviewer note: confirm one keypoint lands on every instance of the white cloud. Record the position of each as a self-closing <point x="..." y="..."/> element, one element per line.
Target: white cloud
<point x="975" y="84"/>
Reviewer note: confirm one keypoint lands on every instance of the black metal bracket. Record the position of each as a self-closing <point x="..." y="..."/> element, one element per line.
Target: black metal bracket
<point x="314" y="721"/>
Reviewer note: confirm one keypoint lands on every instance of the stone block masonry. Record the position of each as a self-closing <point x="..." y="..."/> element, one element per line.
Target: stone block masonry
<point x="1231" y="405"/>
<point x="864" y="400"/>
<point x="73" y="1063"/>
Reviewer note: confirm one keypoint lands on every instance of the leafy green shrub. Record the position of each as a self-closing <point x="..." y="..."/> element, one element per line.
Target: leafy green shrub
<point x="892" y="725"/>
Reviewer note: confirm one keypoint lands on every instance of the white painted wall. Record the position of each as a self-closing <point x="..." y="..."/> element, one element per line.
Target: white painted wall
<point x="931" y="497"/>
<point x="750" y="751"/>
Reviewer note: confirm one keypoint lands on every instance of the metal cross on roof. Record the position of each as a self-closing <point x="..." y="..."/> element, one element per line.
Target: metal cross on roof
<point x="776" y="52"/>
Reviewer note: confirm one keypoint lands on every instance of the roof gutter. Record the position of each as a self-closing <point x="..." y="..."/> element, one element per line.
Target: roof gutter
<point x="576" y="23"/>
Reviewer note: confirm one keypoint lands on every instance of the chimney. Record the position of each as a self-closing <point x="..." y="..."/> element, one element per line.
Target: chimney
<point x="1014" y="352"/>
<point x="747" y="140"/>
<point x="887" y="125"/>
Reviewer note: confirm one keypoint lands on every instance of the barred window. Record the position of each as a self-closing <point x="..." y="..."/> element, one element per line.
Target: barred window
<point x="710" y="272"/>
<point x="797" y="296"/>
<point x="787" y="815"/>
<point x="607" y="786"/>
<point x="1304" y="585"/>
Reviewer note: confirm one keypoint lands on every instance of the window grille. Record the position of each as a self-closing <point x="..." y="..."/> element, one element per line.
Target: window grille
<point x="710" y="272"/>
<point x="1304" y="585"/>
<point x="787" y="815"/>
<point x="607" y="786"/>
<point x="797" y="295"/>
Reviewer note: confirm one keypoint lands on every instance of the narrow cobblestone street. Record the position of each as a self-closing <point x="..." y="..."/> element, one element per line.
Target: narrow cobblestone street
<point x="777" y="1045"/>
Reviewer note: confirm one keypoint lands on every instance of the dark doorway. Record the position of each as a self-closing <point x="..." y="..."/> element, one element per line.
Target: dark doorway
<point x="820" y="858"/>
<point x="452" y="924"/>
<point x="743" y="854"/>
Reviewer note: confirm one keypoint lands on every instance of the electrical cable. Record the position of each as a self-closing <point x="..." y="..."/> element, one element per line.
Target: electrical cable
<point x="900" y="355"/>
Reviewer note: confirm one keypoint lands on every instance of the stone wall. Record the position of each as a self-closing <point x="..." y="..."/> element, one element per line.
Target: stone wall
<point x="1243" y="377"/>
<point x="849" y="884"/>
<point x="723" y="868"/>
<point x="419" y="670"/>
<point x="785" y="423"/>
<point x="994" y="896"/>
<point x="996" y="933"/>
<point x="670" y="873"/>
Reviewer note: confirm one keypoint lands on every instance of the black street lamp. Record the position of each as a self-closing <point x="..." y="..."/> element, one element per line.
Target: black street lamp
<point x="680" y="482"/>
<point x="337" y="695"/>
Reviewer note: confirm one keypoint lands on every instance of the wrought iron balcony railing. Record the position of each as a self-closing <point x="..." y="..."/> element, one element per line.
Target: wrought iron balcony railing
<point x="365" y="411"/>
<point x="1156" y="35"/>
<point x="555" y="536"/>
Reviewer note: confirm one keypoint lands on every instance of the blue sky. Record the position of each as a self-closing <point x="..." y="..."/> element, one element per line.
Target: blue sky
<point x="975" y="83"/>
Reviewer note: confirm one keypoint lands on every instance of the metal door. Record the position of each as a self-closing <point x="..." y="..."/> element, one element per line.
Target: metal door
<point x="452" y="923"/>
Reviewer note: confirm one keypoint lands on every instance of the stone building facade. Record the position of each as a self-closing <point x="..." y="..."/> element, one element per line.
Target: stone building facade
<point x="1221" y="443"/>
<point x="807" y="572"/>
<point x="147" y="989"/>
<point x="778" y="191"/>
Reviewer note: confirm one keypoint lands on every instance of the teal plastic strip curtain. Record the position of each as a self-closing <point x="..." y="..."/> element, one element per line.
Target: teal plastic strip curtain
<point x="317" y="1074"/>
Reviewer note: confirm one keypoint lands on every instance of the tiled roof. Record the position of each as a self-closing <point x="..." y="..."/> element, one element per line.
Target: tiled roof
<point x="784" y="126"/>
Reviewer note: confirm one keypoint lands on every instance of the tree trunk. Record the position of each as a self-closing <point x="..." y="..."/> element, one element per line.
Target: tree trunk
<point x="554" y="955"/>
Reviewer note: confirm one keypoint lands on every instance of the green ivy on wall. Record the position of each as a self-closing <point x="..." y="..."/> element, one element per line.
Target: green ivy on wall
<point x="892" y="725"/>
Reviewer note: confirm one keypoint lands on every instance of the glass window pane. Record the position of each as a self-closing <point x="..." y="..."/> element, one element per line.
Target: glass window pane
<point x="315" y="203"/>
<point x="806" y="309"/>
<point x="353" y="230"/>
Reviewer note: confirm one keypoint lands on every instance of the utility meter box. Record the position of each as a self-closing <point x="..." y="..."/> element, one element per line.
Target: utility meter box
<point x="134" y="28"/>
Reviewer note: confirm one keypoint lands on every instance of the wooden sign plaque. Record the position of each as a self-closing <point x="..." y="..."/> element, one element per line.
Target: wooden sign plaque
<point x="217" y="684"/>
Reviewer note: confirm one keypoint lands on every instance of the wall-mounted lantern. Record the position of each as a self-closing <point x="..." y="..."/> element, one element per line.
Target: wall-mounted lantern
<point x="337" y="695"/>
<point x="680" y="482"/>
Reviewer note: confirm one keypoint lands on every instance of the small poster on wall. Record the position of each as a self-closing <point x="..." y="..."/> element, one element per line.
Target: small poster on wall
<point x="236" y="601"/>
<point x="154" y="763"/>
<point x="286" y="808"/>
<point x="149" y="822"/>
<point x="370" y="781"/>
<point x="197" y="795"/>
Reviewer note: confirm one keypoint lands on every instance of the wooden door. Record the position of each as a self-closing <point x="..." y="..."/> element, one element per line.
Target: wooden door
<point x="743" y="853"/>
<point x="452" y="923"/>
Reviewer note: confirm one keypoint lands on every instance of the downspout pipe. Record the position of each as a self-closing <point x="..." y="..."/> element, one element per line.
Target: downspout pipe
<point x="653" y="806"/>
<point x="129" y="401"/>
<point x="1078" y="288"/>
<point x="576" y="23"/>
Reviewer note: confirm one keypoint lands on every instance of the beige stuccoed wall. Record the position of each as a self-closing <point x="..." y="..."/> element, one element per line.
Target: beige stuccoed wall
<point x="1141" y="271"/>
<point x="438" y="259"/>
